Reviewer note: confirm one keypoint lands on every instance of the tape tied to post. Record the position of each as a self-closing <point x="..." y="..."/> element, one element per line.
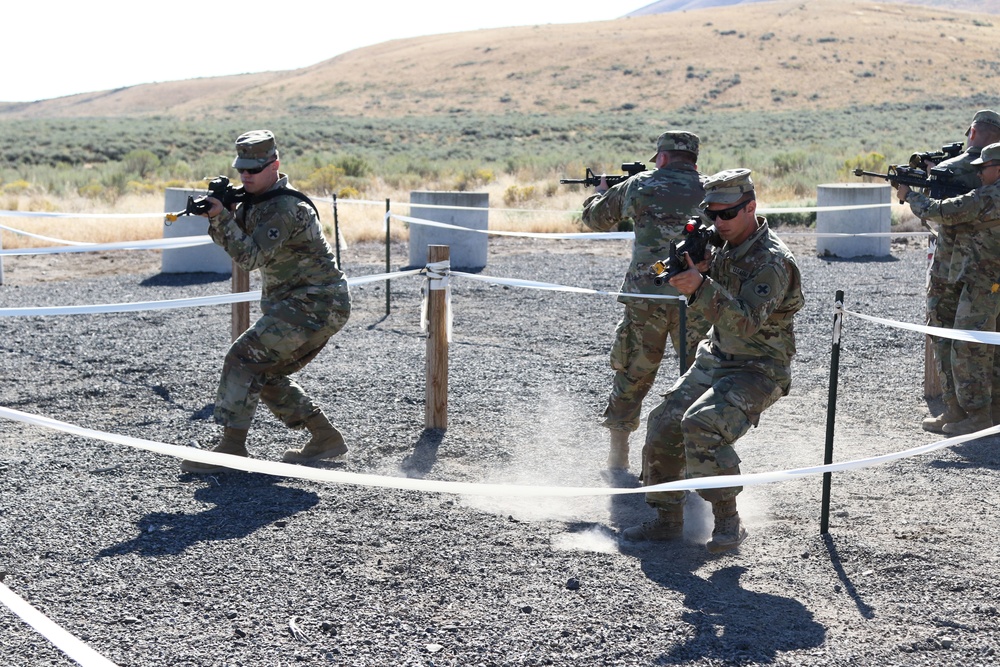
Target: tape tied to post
<point x="437" y="274"/>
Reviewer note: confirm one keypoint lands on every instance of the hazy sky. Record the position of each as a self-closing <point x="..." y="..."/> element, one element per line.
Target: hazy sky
<point x="50" y="49"/>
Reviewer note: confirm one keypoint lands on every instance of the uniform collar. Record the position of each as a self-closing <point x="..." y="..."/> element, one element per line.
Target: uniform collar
<point x="742" y="249"/>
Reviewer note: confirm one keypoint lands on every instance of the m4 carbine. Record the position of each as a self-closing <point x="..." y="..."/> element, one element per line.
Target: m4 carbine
<point x="940" y="183"/>
<point x="219" y="188"/>
<point x="697" y="237"/>
<point x="593" y="180"/>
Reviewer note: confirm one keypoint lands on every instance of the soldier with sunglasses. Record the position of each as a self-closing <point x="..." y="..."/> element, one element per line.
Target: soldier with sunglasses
<point x="750" y="295"/>
<point x="304" y="301"/>
<point x="975" y="215"/>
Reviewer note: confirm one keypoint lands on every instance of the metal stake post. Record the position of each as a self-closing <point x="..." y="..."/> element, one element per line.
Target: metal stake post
<point x="387" y="265"/>
<point x="336" y="231"/>
<point x="831" y="410"/>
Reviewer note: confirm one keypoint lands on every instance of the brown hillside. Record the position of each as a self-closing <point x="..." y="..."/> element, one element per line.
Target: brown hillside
<point x="817" y="54"/>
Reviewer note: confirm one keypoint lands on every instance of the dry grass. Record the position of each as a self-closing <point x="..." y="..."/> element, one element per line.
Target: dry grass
<point x="358" y="222"/>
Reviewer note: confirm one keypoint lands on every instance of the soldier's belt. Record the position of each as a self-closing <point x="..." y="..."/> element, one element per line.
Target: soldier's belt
<point x="716" y="352"/>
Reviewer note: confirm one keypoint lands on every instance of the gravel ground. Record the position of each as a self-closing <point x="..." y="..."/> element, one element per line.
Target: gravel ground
<point x="151" y="567"/>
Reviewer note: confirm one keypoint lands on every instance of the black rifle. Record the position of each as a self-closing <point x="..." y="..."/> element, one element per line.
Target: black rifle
<point x="940" y="184"/>
<point x="593" y="180"/>
<point x="697" y="237"/>
<point x="219" y="188"/>
<point x="947" y="152"/>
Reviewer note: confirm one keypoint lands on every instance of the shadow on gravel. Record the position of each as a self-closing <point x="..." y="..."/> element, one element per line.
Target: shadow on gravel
<point x="863" y="607"/>
<point x="728" y="623"/>
<point x="418" y="463"/>
<point x="978" y="453"/>
<point x="244" y="503"/>
<point x="866" y="259"/>
<point x="182" y="279"/>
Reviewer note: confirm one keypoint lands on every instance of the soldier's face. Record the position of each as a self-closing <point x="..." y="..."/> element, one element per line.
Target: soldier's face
<point x="989" y="173"/>
<point x="737" y="229"/>
<point x="261" y="181"/>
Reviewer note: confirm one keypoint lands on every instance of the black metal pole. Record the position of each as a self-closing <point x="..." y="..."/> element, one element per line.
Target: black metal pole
<point x="683" y="335"/>
<point x="336" y="230"/>
<point x="387" y="269"/>
<point x="831" y="410"/>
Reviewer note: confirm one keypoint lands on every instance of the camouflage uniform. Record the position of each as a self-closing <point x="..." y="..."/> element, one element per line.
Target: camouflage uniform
<point x="944" y="289"/>
<point x="750" y="296"/>
<point x="304" y="301"/>
<point x="977" y="269"/>
<point x="659" y="202"/>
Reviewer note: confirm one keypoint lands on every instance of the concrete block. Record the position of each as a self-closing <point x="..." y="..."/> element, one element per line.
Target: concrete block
<point x="468" y="249"/>
<point x="856" y="221"/>
<point x="206" y="258"/>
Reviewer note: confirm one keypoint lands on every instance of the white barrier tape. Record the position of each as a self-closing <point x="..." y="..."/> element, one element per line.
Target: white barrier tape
<point x="761" y="210"/>
<point x="471" y="488"/>
<point x="437" y="273"/>
<point x="101" y="216"/>
<point x="191" y="302"/>
<point x="988" y="337"/>
<point x="837" y="235"/>
<point x="437" y="279"/>
<point x="21" y="232"/>
<point x="63" y="640"/>
<point x="152" y="244"/>
<point x="602" y="236"/>
<point x="610" y="236"/>
<point x="530" y="284"/>
<point x="442" y="206"/>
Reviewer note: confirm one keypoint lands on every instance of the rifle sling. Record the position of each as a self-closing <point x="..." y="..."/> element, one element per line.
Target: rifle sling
<point x="271" y="194"/>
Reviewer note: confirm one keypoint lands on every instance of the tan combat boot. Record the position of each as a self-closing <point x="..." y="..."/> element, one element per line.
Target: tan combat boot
<point x="976" y="420"/>
<point x="729" y="531"/>
<point x="618" y="455"/>
<point x="952" y="413"/>
<point x="326" y="442"/>
<point x="234" y="441"/>
<point x="668" y="525"/>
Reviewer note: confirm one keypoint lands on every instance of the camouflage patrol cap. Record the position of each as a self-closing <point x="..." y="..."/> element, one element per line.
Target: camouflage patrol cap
<point x="254" y="149"/>
<point x="727" y="187"/>
<point x="990" y="154"/>
<point x="676" y="141"/>
<point x="988" y="116"/>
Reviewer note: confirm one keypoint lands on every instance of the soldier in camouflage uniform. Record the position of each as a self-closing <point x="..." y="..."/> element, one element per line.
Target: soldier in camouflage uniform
<point x="750" y="295"/>
<point x="304" y="302"/>
<point x="978" y="265"/>
<point x="948" y="268"/>
<point x="659" y="202"/>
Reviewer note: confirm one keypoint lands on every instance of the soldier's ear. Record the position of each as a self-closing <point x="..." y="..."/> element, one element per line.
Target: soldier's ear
<point x="752" y="206"/>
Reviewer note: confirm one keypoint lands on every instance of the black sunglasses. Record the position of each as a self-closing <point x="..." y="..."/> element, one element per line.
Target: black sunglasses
<point x="726" y="213"/>
<point x="256" y="170"/>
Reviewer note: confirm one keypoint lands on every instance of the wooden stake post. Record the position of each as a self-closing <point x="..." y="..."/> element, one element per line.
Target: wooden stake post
<point x="436" y="405"/>
<point x="241" y="311"/>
